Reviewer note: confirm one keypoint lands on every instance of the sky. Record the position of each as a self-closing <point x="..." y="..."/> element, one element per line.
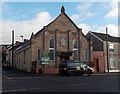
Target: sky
<point x="27" y="17"/>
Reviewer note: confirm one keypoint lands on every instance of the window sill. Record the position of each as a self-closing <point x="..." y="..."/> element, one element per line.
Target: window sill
<point x="112" y="67"/>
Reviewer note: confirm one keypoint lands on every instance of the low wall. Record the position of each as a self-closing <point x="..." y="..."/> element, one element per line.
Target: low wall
<point x="51" y="71"/>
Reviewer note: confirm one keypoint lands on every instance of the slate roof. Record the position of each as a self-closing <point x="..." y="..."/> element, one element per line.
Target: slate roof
<point x="23" y="45"/>
<point x="66" y="16"/>
<point x="110" y="38"/>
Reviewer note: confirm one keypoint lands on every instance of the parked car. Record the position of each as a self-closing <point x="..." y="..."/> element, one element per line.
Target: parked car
<point x="72" y="67"/>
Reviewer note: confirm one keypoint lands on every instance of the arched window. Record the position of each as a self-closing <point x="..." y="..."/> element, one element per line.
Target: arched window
<point x="52" y="49"/>
<point x="51" y="43"/>
<point x="75" y="49"/>
<point x="75" y="44"/>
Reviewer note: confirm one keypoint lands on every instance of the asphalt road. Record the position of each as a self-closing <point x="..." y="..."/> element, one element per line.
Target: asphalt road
<point x="54" y="83"/>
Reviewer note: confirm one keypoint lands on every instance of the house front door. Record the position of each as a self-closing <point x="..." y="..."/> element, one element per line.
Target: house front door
<point x="96" y="65"/>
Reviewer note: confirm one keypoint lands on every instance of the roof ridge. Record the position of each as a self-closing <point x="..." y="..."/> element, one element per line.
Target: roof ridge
<point x="103" y="37"/>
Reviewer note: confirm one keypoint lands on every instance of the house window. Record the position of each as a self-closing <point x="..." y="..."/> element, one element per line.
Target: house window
<point x="111" y="47"/>
<point x="75" y="49"/>
<point x="52" y="49"/>
<point x="112" y="63"/>
<point x="39" y="54"/>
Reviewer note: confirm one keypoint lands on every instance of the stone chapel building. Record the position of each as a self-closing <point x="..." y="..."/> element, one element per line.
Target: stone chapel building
<point x="59" y="40"/>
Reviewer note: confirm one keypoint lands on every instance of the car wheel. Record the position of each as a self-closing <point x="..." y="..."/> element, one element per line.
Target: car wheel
<point x="89" y="72"/>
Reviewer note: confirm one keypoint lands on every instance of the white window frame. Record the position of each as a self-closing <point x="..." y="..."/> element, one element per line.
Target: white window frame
<point x="111" y="44"/>
<point x="75" y="49"/>
<point x="63" y="41"/>
<point x="52" y="48"/>
<point x="112" y="60"/>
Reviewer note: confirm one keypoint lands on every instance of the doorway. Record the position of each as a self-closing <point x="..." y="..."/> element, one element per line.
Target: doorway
<point x="64" y="55"/>
<point x="96" y="65"/>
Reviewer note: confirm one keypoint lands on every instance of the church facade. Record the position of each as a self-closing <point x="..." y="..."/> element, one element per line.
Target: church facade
<point x="59" y="40"/>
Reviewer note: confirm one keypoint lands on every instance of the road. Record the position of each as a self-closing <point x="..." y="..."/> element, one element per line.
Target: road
<point x="55" y="83"/>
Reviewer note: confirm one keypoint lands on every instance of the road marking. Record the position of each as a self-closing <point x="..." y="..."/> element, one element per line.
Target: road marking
<point x="27" y="77"/>
<point x="78" y="84"/>
<point x="21" y="89"/>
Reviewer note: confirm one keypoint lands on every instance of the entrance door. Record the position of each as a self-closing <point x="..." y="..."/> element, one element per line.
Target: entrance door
<point x="62" y="58"/>
<point x="64" y="55"/>
<point x="96" y="65"/>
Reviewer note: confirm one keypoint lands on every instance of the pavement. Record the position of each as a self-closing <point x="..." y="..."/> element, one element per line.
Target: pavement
<point x="19" y="73"/>
<point x="112" y="73"/>
<point x="15" y="73"/>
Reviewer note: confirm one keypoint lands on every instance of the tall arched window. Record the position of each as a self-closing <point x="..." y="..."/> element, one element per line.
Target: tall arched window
<point x="52" y="48"/>
<point x="75" y="49"/>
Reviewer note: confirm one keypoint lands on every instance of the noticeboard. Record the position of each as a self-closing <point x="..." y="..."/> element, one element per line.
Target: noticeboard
<point x="45" y="60"/>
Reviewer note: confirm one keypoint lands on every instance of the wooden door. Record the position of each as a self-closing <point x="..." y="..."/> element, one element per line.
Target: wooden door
<point x="96" y="65"/>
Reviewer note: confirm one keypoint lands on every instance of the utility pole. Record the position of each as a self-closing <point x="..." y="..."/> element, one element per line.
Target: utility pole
<point x="107" y="49"/>
<point x="90" y="51"/>
<point x="12" y="47"/>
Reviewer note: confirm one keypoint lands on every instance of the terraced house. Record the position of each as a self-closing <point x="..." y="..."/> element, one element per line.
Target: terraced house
<point x="59" y="40"/>
<point x="105" y="60"/>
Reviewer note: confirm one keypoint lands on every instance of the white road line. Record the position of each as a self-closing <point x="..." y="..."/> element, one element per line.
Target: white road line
<point x="27" y="78"/>
<point x="78" y="84"/>
<point x="21" y="90"/>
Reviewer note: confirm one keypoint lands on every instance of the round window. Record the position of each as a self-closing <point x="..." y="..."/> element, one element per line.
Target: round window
<point x="63" y="41"/>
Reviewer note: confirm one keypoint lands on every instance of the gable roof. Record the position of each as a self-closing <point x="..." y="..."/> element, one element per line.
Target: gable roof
<point x="103" y="37"/>
<point x="62" y="13"/>
<point x="66" y="16"/>
<point x="39" y="32"/>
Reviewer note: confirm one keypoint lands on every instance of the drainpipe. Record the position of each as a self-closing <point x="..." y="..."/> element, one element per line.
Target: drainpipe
<point x="56" y="49"/>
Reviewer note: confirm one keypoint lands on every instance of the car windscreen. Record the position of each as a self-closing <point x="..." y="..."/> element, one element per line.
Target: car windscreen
<point x="83" y="65"/>
<point x="72" y="64"/>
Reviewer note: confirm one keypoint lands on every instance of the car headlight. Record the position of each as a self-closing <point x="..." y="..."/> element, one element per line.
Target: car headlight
<point x="92" y="69"/>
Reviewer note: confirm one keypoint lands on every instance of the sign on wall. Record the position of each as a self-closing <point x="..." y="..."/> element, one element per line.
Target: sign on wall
<point x="45" y="60"/>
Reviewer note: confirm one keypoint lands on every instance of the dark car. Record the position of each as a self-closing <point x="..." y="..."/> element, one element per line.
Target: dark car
<point x="71" y="67"/>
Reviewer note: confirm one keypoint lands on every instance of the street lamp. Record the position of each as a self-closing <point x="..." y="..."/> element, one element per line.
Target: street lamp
<point x="22" y="37"/>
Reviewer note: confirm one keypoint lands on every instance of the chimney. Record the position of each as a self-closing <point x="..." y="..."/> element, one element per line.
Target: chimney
<point x="18" y="42"/>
